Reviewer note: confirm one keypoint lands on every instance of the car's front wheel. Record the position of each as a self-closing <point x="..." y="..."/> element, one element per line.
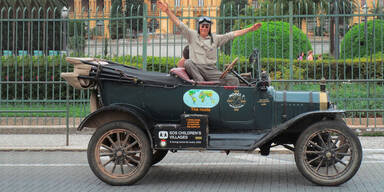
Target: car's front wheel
<point x="119" y="153"/>
<point x="328" y="153"/>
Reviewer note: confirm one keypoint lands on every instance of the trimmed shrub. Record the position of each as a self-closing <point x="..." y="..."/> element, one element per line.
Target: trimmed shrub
<point x="356" y="38"/>
<point x="272" y="39"/>
<point x="38" y="73"/>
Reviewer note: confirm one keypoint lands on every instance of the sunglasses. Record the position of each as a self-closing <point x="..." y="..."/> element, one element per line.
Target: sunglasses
<point x="201" y="19"/>
<point x="205" y="26"/>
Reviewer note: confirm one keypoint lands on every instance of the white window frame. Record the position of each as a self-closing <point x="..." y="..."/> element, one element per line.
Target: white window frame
<point x="177" y="3"/>
<point x="201" y="3"/>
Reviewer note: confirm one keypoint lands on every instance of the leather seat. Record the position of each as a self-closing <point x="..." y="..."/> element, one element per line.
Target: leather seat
<point x="181" y="73"/>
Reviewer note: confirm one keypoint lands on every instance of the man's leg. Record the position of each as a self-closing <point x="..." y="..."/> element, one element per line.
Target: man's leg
<point x="193" y="70"/>
<point x="211" y="73"/>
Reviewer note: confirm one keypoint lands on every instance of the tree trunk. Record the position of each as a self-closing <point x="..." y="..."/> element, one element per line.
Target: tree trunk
<point x="332" y="37"/>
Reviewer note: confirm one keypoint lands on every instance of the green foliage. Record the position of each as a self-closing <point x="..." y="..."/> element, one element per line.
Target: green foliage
<point x="76" y="36"/>
<point x="116" y="26"/>
<point x="272" y="39"/>
<point x="134" y="8"/>
<point x="229" y="8"/>
<point x="356" y="37"/>
<point x="39" y="70"/>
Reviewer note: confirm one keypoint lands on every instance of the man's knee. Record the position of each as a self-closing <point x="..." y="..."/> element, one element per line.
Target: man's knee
<point x="232" y="81"/>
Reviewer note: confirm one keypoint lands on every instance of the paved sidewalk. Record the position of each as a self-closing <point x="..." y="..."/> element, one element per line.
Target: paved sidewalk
<point x="79" y="142"/>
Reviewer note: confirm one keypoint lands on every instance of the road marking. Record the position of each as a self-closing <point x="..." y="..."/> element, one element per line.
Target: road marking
<point x="44" y="165"/>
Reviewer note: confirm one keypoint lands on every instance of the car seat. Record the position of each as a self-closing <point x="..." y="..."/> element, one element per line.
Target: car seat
<point x="181" y="73"/>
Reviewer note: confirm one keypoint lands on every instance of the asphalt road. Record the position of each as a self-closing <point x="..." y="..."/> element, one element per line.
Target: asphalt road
<point x="182" y="171"/>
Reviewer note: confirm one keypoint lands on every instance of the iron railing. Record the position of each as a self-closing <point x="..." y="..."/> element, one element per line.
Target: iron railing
<point x="34" y="43"/>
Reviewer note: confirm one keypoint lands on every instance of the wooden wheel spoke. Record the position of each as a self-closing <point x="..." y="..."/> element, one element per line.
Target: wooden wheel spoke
<point x="316" y="145"/>
<point x="118" y="138"/>
<point x="313" y="152"/>
<point x="334" y="166"/>
<point x="125" y="139"/>
<point x="106" y="154"/>
<point x="107" y="147"/>
<point x="327" y="169"/>
<point x="132" y="159"/>
<point x="340" y="161"/>
<point x="343" y="154"/>
<point x="131" y="145"/>
<point x="114" y="167"/>
<point x="109" y="161"/>
<point x="112" y="142"/>
<point x="133" y="152"/>
<point x="122" y="168"/>
<point x="318" y="157"/>
<point x="335" y="143"/>
<point x="341" y="147"/>
<point x="321" y="139"/>
<point x="319" y="165"/>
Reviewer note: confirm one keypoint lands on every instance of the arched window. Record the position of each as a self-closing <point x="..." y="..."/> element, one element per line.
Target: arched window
<point x="201" y="3"/>
<point x="100" y="5"/>
<point x="84" y="4"/>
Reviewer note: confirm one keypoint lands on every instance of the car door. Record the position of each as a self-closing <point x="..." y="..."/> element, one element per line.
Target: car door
<point x="237" y="108"/>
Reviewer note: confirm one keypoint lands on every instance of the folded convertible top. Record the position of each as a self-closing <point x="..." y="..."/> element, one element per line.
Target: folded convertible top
<point x="87" y="71"/>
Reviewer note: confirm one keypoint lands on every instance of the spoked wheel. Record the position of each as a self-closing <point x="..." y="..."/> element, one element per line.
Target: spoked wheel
<point x="158" y="155"/>
<point x="119" y="153"/>
<point x="328" y="153"/>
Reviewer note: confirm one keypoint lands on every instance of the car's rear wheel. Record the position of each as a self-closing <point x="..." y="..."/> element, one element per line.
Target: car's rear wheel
<point x="119" y="153"/>
<point x="328" y="153"/>
<point x="158" y="155"/>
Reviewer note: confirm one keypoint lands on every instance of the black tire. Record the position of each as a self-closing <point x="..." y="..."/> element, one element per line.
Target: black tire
<point x="158" y="155"/>
<point x="119" y="153"/>
<point x="340" y="154"/>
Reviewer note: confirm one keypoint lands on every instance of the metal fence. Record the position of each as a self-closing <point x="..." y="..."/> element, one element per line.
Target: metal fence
<point x="346" y="40"/>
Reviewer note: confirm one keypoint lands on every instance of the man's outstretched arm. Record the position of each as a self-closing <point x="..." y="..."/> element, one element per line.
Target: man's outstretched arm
<point x="164" y="7"/>
<point x="246" y="30"/>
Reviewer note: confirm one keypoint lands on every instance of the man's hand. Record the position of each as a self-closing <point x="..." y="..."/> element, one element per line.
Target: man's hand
<point x="162" y="5"/>
<point x="246" y="30"/>
<point x="255" y="27"/>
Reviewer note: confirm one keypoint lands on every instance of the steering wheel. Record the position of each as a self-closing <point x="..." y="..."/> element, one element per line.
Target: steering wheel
<point x="229" y="68"/>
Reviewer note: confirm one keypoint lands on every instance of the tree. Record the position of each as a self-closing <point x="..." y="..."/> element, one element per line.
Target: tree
<point x="134" y="8"/>
<point x="116" y="25"/>
<point x="230" y="8"/>
<point x="337" y="7"/>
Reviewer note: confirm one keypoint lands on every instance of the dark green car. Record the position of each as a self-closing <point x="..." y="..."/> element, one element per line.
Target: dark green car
<point x="139" y="116"/>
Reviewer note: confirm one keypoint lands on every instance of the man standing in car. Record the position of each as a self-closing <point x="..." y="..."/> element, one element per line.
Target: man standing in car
<point x="203" y="48"/>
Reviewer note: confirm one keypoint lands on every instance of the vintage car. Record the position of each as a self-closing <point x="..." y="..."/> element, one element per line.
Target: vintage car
<point x="139" y="116"/>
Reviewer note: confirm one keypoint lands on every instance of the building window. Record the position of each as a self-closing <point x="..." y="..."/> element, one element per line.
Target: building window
<point x="201" y="3"/>
<point x="99" y="27"/>
<point x="177" y="3"/>
<point x="85" y="4"/>
<point x="100" y="5"/>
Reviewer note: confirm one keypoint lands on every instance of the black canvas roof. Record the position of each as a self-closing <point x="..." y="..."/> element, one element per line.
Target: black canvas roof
<point x="146" y="77"/>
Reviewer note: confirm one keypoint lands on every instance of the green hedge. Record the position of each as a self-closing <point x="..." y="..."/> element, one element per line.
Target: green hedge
<point x="49" y="68"/>
<point x="356" y="38"/>
<point x="272" y="39"/>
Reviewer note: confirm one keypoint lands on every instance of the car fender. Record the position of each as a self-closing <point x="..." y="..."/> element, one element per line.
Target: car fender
<point x="275" y="131"/>
<point x="113" y="113"/>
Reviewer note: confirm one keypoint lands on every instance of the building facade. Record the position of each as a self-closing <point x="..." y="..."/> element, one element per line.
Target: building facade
<point x="187" y="10"/>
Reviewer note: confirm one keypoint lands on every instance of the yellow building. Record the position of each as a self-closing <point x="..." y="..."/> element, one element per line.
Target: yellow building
<point x="181" y="8"/>
<point x="187" y="9"/>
